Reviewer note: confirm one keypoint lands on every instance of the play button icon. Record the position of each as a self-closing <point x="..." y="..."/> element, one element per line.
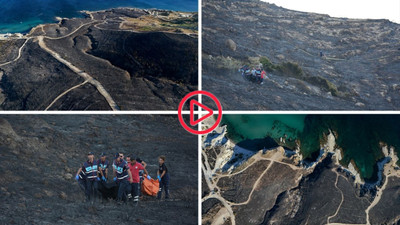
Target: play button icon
<point x="203" y="112"/>
<point x="194" y="122"/>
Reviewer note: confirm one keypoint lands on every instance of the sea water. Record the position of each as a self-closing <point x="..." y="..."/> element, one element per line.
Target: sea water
<point x="256" y="127"/>
<point x="21" y="15"/>
<point x="359" y="136"/>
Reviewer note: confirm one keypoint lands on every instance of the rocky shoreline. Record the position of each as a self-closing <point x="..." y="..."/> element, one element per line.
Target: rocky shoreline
<point x="227" y="161"/>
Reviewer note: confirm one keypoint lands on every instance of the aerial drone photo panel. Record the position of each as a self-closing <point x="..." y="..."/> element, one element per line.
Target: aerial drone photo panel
<point x="97" y="55"/>
<point x="301" y="169"/>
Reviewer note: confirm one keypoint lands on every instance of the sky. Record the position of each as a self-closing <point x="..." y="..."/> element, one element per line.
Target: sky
<point x="360" y="9"/>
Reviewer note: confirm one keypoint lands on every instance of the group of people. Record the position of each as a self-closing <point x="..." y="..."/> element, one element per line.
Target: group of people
<point x="256" y="74"/>
<point x="128" y="174"/>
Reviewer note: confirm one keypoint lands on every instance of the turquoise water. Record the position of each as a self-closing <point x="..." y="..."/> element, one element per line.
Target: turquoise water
<point x="22" y="15"/>
<point x="242" y="127"/>
<point x="358" y="135"/>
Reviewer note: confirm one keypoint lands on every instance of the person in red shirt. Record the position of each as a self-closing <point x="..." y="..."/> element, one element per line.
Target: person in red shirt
<point x="135" y="168"/>
<point x="263" y="76"/>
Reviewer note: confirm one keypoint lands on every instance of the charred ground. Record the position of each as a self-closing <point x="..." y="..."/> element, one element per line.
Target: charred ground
<point x="359" y="69"/>
<point x="40" y="156"/>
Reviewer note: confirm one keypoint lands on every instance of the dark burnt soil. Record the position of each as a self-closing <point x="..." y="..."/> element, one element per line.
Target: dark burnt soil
<point x="41" y="154"/>
<point x="359" y="70"/>
<point x="157" y="54"/>
<point x="320" y="195"/>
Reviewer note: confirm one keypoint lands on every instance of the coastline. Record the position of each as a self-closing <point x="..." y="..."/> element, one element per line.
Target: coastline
<point x="386" y="166"/>
<point x="9" y="36"/>
<point x="71" y="47"/>
<point x="239" y="181"/>
<point x="89" y="14"/>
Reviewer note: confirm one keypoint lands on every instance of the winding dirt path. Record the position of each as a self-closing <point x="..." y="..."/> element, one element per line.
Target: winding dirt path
<point x="73" y="32"/>
<point x="88" y="78"/>
<point x="254" y="186"/>
<point x="228" y="208"/>
<point x="212" y="181"/>
<point x="81" y="73"/>
<point x="257" y="159"/>
<point x="228" y="213"/>
<point x="341" y="202"/>
<point x="64" y="93"/>
<point x="19" y="53"/>
<point x="377" y="197"/>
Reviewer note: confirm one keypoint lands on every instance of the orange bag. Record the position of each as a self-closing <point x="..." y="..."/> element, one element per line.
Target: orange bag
<point x="150" y="187"/>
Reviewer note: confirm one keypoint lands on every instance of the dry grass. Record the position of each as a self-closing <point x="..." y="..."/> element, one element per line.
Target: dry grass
<point x="174" y="22"/>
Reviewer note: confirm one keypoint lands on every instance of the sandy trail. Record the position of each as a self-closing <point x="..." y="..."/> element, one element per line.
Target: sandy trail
<point x="377" y="197"/>
<point x="73" y="32"/>
<point x="222" y="215"/>
<point x="254" y="186"/>
<point x="88" y="78"/>
<point x="341" y="202"/>
<point x="19" y="53"/>
<point x="258" y="158"/>
<point x="227" y="211"/>
<point x="64" y="93"/>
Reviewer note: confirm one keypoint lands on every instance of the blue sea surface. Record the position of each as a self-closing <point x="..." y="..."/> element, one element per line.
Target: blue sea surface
<point x="22" y="15"/>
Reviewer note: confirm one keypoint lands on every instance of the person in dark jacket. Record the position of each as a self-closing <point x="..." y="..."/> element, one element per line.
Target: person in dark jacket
<point x="90" y="168"/>
<point x="163" y="177"/>
<point x="103" y="167"/>
<point x="141" y="173"/>
<point x="122" y="176"/>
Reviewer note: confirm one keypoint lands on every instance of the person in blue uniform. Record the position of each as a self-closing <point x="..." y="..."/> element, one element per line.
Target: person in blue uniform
<point x="90" y="168"/>
<point x="103" y="167"/>
<point x="122" y="176"/>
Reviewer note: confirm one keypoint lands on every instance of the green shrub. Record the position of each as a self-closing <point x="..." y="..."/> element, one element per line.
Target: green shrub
<point x="287" y="68"/>
<point x="267" y="65"/>
<point x="290" y="69"/>
<point x="323" y="83"/>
